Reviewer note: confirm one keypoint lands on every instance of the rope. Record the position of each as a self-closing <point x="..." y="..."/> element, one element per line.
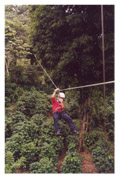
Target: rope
<point x="45" y="72"/>
<point x="86" y="86"/>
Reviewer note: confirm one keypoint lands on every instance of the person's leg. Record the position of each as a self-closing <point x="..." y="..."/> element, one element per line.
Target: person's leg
<point x="68" y="119"/>
<point x="56" y="117"/>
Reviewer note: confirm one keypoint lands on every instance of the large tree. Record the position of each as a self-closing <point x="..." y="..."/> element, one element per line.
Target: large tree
<point x="67" y="39"/>
<point x="16" y="32"/>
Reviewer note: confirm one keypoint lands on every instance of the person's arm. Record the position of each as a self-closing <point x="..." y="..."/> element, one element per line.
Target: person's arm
<point x="54" y="93"/>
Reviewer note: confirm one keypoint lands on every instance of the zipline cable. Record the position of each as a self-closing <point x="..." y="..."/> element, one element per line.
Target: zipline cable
<point x="86" y="86"/>
<point x="45" y="72"/>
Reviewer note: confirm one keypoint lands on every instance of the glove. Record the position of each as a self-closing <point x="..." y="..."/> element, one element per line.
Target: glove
<point x="57" y="90"/>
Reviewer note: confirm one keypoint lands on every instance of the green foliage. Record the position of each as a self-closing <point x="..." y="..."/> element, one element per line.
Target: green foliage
<point x="110" y="117"/>
<point x="8" y="126"/>
<point x="92" y="137"/>
<point x="109" y="164"/>
<point x="48" y="129"/>
<point x="32" y="76"/>
<point x="48" y="150"/>
<point x="54" y="143"/>
<point x="9" y="121"/>
<point x="45" y="165"/>
<point x="72" y="147"/>
<point x="57" y="144"/>
<point x="9" y="158"/>
<point x="64" y="128"/>
<point x="15" y="37"/>
<point x="101" y="153"/>
<point x="38" y="119"/>
<point x="11" y="165"/>
<point x="25" y="134"/>
<point x="27" y="76"/>
<point x="20" y="163"/>
<point x="50" y="145"/>
<point x="72" y="140"/>
<point x="7" y="102"/>
<point x="101" y="149"/>
<point x="9" y="161"/>
<point x="73" y="53"/>
<point x="16" y="75"/>
<point x="8" y="169"/>
<point x="97" y="118"/>
<point x="10" y="93"/>
<point x="19" y="117"/>
<point x="34" y="102"/>
<point x="30" y="152"/>
<point x="13" y="144"/>
<point x="96" y="109"/>
<point x="9" y="112"/>
<point x="72" y="104"/>
<point x="28" y="130"/>
<point x="72" y="163"/>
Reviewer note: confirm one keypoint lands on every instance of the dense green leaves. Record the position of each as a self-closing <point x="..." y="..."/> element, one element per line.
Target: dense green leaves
<point x="45" y="165"/>
<point x="33" y="103"/>
<point x="16" y="46"/>
<point x="102" y="157"/>
<point x="30" y="152"/>
<point x="72" y="103"/>
<point x="9" y="158"/>
<point x="92" y="137"/>
<point x="13" y="145"/>
<point x="20" y="163"/>
<point x="100" y="116"/>
<point x="102" y="151"/>
<point x="72" y="163"/>
<point x="11" y="166"/>
<point x="110" y="117"/>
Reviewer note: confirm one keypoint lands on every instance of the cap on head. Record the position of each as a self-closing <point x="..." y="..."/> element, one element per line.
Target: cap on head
<point x="61" y="95"/>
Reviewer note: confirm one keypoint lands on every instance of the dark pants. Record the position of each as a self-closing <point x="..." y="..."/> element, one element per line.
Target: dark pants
<point x="65" y="117"/>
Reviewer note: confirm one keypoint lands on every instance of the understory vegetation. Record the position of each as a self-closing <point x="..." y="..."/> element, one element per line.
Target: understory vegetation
<point x="32" y="145"/>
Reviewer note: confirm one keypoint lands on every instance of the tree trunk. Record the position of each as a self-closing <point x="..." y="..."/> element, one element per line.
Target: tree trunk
<point x="87" y="114"/>
<point x="83" y="125"/>
<point x="85" y="121"/>
<point x="7" y="63"/>
<point x="7" y="67"/>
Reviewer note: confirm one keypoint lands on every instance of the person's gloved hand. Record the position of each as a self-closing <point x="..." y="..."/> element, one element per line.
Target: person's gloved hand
<point x="57" y="90"/>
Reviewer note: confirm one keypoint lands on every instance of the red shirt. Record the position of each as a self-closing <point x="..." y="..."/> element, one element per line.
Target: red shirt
<point x="56" y="105"/>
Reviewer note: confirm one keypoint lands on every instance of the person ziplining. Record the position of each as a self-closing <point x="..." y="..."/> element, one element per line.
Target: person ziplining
<point x="58" y="113"/>
<point x="58" y="104"/>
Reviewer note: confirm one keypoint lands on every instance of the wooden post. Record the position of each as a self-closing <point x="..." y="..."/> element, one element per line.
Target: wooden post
<point x="103" y="54"/>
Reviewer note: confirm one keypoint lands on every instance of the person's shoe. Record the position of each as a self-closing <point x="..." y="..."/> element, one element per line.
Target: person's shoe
<point x="75" y="132"/>
<point x="58" y="133"/>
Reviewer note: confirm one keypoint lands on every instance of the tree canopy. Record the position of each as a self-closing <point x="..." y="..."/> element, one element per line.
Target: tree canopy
<point x="67" y="39"/>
